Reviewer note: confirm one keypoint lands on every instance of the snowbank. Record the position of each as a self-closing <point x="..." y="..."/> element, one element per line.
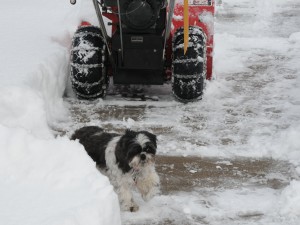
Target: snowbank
<point x="43" y="179"/>
<point x="51" y="181"/>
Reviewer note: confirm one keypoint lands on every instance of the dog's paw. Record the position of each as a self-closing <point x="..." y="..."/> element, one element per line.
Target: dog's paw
<point x="132" y="207"/>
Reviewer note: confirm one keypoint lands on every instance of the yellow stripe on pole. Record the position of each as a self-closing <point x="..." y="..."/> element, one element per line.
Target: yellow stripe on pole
<point x="185" y="25"/>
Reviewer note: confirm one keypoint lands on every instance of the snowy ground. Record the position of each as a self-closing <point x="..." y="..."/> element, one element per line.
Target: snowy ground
<point x="250" y="110"/>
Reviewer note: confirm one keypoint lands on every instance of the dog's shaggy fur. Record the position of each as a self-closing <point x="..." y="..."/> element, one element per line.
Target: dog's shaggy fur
<point x="127" y="160"/>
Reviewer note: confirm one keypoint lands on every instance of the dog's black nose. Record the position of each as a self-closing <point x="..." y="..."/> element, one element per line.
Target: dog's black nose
<point x="143" y="156"/>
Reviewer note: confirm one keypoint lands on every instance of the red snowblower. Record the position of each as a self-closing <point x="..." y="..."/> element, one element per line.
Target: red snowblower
<point x="151" y="42"/>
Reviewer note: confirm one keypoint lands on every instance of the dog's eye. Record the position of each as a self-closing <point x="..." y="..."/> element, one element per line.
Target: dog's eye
<point x="148" y="149"/>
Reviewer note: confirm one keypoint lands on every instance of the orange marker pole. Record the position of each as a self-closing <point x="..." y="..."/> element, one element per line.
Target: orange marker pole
<point x="185" y="25"/>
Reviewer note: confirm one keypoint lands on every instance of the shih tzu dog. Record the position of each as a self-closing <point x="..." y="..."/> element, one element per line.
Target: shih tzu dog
<point x="127" y="160"/>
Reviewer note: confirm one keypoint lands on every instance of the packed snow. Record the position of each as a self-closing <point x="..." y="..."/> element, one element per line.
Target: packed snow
<point x="252" y="105"/>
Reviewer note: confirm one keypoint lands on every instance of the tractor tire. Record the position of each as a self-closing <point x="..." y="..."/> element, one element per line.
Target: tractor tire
<point x="189" y="70"/>
<point x="88" y="63"/>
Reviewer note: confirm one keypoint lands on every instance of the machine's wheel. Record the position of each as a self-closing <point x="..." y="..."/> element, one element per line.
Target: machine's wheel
<point x="88" y="63"/>
<point x="189" y="70"/>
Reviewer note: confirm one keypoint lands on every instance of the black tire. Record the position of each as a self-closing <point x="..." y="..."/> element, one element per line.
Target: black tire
<point x="189" y="70"/>
<point x="88" y="63"/>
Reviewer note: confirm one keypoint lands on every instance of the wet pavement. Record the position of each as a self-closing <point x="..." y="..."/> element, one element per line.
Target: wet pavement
<point x="189" y="173"/>
<point x="183" y="173"/>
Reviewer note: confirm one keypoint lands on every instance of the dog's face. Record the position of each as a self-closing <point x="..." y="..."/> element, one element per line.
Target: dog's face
<point x="141" y="150"/>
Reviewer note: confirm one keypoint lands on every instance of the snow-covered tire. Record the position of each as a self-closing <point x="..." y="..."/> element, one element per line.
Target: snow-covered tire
<point x="189" y="70"/>
<point x="88" y="63"/>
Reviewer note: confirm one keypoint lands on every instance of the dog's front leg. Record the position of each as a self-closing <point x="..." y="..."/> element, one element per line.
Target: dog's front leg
<point x="122" y="187"/>
<point x="147" y="182"/>
<point x="125" y="196"/>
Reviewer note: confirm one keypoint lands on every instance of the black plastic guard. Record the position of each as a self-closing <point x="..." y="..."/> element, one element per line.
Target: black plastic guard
<point x="142" y="61"/>
<point x="131" y="76"/>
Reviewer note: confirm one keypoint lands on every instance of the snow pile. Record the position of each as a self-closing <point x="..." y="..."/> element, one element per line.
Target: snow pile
<point x="43" y="179"/>
<point x="295" y="37"/>
<point x="22" y="107"/>
<point x="290" y="200"/>
<point x="287" y="146"/>
<point x="51" y="181"/>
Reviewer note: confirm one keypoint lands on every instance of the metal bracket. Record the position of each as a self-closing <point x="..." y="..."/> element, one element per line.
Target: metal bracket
<point x="103" y="31"/>
<point x="121" y="33"/>
<point x="169" y="23"/>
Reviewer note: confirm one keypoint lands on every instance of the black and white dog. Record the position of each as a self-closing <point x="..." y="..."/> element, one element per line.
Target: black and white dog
<point x="127" y="160"/>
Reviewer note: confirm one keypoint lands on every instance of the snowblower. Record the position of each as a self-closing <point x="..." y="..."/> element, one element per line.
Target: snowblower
<point x="151" y="42"/>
